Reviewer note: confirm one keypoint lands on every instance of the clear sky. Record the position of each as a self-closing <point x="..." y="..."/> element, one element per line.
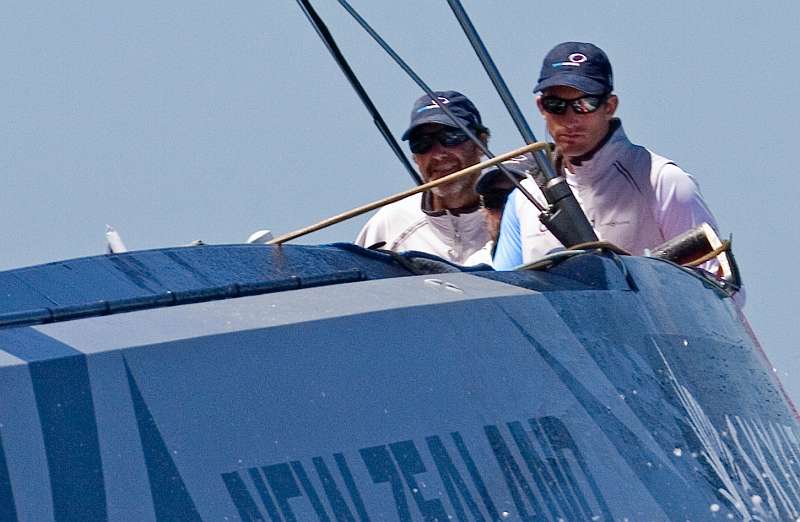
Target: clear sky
<point x="175" y="121"/>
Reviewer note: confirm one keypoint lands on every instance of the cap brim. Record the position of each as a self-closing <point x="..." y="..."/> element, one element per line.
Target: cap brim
<point x="576" y="81"/>
<point x="494" y="180"/>
<point x="440" y="118"/>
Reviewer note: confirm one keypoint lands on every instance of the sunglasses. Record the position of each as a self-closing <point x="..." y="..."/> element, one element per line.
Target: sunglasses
<point x="422" y="143"/>
<point x="583" y="105"/>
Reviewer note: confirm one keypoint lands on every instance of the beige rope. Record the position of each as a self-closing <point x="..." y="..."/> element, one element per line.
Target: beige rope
<point x="726" y="245"/>
<point x="402" y="195"/>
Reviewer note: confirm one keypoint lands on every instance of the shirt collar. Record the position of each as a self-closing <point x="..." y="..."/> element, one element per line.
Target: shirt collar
<point x="427" y="207"/>
<point x="595" y="163"/>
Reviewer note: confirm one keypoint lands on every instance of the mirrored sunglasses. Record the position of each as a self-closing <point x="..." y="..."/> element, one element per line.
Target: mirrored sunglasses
<point x="583" y="105"/>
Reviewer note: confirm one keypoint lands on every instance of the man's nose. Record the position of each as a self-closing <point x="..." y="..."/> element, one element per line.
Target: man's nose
<point x="570" y="119"/>
<point x="570" y="116"/>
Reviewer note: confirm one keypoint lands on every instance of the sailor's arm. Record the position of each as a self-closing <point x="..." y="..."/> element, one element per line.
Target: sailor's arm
<point x="372" y="232"/>
<point x="680" y="205"/>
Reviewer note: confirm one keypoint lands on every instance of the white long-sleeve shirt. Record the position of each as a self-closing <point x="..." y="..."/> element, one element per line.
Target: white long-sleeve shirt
<point x="633" y="198"/>
<point x="404" y="225"/>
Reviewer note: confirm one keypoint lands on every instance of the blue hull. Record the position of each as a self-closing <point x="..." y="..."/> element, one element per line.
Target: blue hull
<point x="332" y="383"/>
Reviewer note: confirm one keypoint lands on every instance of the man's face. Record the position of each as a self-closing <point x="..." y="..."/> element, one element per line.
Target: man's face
<point x="442" y="160"/>
<point x="576" y="134"/>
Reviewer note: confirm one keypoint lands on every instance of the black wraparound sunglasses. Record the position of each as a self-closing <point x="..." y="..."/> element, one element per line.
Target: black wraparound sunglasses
<point x="423" y="142"/>
<point x="583" y="105"/>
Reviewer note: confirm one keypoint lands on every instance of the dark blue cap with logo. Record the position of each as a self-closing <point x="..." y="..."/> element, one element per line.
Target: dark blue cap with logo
<point x="427" y="111"/>
<point x="583" y="66"/>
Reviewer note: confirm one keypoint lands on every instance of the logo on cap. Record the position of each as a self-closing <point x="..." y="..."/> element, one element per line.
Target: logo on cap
<point x="434" y="105"/>
<point x="575" y="60"/>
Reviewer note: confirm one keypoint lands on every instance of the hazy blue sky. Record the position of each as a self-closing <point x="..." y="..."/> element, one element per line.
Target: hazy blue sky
<point x="181" y="120"/>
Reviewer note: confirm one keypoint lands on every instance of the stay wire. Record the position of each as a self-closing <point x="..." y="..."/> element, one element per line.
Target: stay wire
<point x="500" y="85"/>
<point x="565" y="218"/>
<point x="330" y="43"/>
<point x="428" y="91"/>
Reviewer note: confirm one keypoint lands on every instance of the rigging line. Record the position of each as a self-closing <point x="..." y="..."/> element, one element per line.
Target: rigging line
<point x="494" y="74"/>
<point x="468" y="171"/>
<point x="410" y="72"/>
<point x="330" y="43"/>
<point x="565" y="218"/>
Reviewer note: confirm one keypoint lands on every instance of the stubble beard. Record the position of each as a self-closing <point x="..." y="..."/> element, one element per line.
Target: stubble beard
<point x="455" y="188"/>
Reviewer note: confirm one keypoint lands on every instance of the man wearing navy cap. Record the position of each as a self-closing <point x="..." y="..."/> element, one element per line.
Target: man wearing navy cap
<point x="445" y="221"/>
<point x="493" y="188"/>
<point x="633" y="197"/>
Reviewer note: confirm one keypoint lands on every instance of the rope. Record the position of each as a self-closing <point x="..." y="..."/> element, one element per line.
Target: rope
<point x="556" y="257"/>
<point x="602" y="245"/>
<point x="724" y="247"/>
<point x="402" y="195"/>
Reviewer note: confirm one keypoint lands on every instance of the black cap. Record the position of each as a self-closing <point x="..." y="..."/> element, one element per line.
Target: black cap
<point x="427" y="111"/>
<point x="583" y="66"/>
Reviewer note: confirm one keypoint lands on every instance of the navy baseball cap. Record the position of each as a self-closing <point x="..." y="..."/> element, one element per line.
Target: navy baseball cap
<point x="494" y="181"/>
<point x="583" y="66"/>
<point x="427" y="111"/>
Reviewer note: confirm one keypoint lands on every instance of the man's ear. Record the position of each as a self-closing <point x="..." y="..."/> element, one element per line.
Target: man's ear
<point x="539" y="103"/>
<point x="611" y="105"/>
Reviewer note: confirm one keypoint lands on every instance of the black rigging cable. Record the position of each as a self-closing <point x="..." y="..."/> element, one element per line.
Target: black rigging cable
<point x="494" y="75"/>
<point x="330" y="43"/>
<point x="565" y="217"/>
<point x="408" y="70"/>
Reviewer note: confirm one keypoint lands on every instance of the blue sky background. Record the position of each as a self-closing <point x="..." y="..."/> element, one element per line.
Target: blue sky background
<point x="179" y="120"/>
